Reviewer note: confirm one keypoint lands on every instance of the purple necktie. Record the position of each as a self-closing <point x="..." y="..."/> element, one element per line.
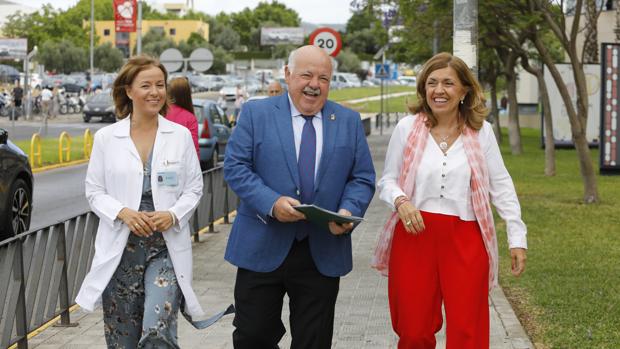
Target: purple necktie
<point x="305" y="166"/>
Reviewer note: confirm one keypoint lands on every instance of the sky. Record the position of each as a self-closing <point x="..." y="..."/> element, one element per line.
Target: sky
<point x="312" y="11"/>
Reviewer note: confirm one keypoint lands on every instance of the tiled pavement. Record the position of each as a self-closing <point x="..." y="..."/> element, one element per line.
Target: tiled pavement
<point x="362" y="316"/>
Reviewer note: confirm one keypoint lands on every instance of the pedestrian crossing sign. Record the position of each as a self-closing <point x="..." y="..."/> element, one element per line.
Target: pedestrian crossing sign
<point x="382" y="71"/>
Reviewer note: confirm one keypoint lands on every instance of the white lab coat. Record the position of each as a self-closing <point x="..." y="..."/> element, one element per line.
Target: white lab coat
<point x="114" y="180"/>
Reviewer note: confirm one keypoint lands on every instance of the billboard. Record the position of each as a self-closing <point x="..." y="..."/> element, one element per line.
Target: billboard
<point x="562" y="134"/>
<point x="282" y="36"/>
<point x="125" y="13"/>
<point x="13" y="48"/>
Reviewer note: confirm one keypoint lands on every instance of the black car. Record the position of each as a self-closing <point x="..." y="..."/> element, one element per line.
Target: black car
<point x="74" y="83"/>
<point x="101" y="106"/>
<point x="15" y="189"/>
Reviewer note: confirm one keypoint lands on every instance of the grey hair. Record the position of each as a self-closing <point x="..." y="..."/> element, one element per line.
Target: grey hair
<point x="291" y="60"/>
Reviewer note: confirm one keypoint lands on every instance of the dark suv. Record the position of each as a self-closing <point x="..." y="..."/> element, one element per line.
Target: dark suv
<point x="15" y="189"/>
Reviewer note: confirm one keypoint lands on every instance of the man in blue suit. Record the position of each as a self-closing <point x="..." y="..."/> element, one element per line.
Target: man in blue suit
<point x="286" y="150"/>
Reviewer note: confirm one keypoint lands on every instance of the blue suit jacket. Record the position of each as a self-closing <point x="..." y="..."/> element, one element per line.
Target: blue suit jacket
<point x="261" y="165"/>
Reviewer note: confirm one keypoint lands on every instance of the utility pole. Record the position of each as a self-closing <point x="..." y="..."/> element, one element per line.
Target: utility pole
<point x="26" y="107"/>
<point x="92" y="41"/>
<point x="465" y="35"/>
<point x="139" y="30"/>
<point x="435" y="37"/>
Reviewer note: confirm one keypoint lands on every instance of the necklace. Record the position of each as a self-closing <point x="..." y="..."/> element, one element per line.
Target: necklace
<point x="443" y="145"/>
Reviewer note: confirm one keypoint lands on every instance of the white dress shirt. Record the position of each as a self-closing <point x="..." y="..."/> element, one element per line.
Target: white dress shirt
<point x="442" y="182"/>
<point x="298" y="126"/>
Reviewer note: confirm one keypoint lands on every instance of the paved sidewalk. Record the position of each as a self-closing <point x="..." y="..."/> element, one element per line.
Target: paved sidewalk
<point x="362" y="316"/>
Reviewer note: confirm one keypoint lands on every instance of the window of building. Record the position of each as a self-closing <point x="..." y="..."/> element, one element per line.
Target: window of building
<point x="173" y="31"/>
<point x="106" y="32"/>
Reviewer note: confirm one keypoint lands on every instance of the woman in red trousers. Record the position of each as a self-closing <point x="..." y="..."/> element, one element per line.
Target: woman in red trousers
<point x="443" y="168"/>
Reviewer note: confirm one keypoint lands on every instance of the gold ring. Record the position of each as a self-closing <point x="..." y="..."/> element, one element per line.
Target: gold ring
<point x="408" y="222"/>
<point x="137" y="225"/>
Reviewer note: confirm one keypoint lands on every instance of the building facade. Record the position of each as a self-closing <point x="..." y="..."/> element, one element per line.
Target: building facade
<point x="177" y="30"/>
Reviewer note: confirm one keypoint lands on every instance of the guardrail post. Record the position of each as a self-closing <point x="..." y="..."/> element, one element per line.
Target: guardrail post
<point x="21" y="321"/>
<point x="226" y="204"/>
<point x="61" y="257"/>
<point x="211" y="213"/>
<point x="196" y="228"/>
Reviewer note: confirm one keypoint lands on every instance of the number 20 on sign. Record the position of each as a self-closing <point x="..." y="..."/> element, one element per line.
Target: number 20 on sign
<point x="328" y="39"/>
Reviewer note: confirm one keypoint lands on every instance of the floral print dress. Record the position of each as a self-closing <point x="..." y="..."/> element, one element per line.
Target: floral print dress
<point x="142" y="300"/>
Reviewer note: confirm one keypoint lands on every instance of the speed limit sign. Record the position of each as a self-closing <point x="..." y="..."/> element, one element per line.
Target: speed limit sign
<point x="327" y="39"/>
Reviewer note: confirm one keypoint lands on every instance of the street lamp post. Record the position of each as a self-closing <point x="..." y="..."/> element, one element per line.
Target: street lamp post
<point x="27" y="106"/>
<point x="139" y="30"/>
<point x="92" y="41"/>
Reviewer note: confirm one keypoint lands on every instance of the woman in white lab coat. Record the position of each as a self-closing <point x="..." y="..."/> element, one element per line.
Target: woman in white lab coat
<point x="144" y="182"/>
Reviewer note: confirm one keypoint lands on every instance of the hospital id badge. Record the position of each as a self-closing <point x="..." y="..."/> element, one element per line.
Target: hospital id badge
<point x="167" y="178"/>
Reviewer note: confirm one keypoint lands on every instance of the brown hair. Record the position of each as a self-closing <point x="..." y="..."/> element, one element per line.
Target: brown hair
<point x="473" y="110"/>
<point x="180" y="94"/>
<point x="128" y="73"/>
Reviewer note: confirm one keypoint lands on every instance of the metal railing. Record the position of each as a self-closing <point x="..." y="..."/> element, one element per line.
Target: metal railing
<point x="41" y="270"/>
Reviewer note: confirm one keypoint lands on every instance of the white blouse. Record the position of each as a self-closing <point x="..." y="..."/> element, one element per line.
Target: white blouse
<point x="442" y="183"/>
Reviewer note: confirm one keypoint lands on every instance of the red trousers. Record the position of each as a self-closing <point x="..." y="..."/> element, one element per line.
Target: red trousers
<point x="447" y="262"/>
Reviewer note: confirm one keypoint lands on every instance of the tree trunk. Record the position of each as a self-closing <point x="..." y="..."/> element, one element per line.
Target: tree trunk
<point x="577" y="126"/>
<point x="590" y="194"/>
<point x="546" y="110"/>
<point x="495" y="112"/>
<point x="514" y="131"/>
<point x="549" y="142"/>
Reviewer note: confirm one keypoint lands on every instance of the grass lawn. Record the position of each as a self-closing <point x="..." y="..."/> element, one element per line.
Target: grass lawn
<point x="346" y="94"/>
<point x="569" y="296"/>
<point x="49" y="149"/>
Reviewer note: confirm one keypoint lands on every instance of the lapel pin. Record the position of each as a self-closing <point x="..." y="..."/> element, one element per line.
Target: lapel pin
<point x="332" y="117"/>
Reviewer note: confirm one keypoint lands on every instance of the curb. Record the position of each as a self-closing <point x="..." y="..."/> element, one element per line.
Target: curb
<point x="514" y="331"/>
<point x="55" y="166"/>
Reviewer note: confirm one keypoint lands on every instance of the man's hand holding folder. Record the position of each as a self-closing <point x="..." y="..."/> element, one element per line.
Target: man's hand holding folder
<point x="337" y="223"/>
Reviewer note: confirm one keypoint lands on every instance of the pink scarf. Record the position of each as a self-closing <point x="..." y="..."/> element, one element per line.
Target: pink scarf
<point x="412" y="156"/>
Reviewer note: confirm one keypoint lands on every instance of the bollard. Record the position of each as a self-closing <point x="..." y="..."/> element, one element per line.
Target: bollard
<point x="88" y="143"/>
<point x="64" y="136"/>
<point x="35" y="141"/>
<point x="63" y="296"/>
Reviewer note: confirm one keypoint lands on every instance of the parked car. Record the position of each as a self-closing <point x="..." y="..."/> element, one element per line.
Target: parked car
<point x="74" y="83"/>
<point x="214" y="129"/>
<point x="102" y="81"/>
<point x="345" y="80"/>
<point x="15" y="189"/>
<point x="407" y="80"/>
<point x="229" y="92"/>
<point x="100" y="105"/>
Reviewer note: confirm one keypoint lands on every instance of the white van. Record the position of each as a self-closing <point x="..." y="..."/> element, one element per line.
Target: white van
<point x="342" y="80"/>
